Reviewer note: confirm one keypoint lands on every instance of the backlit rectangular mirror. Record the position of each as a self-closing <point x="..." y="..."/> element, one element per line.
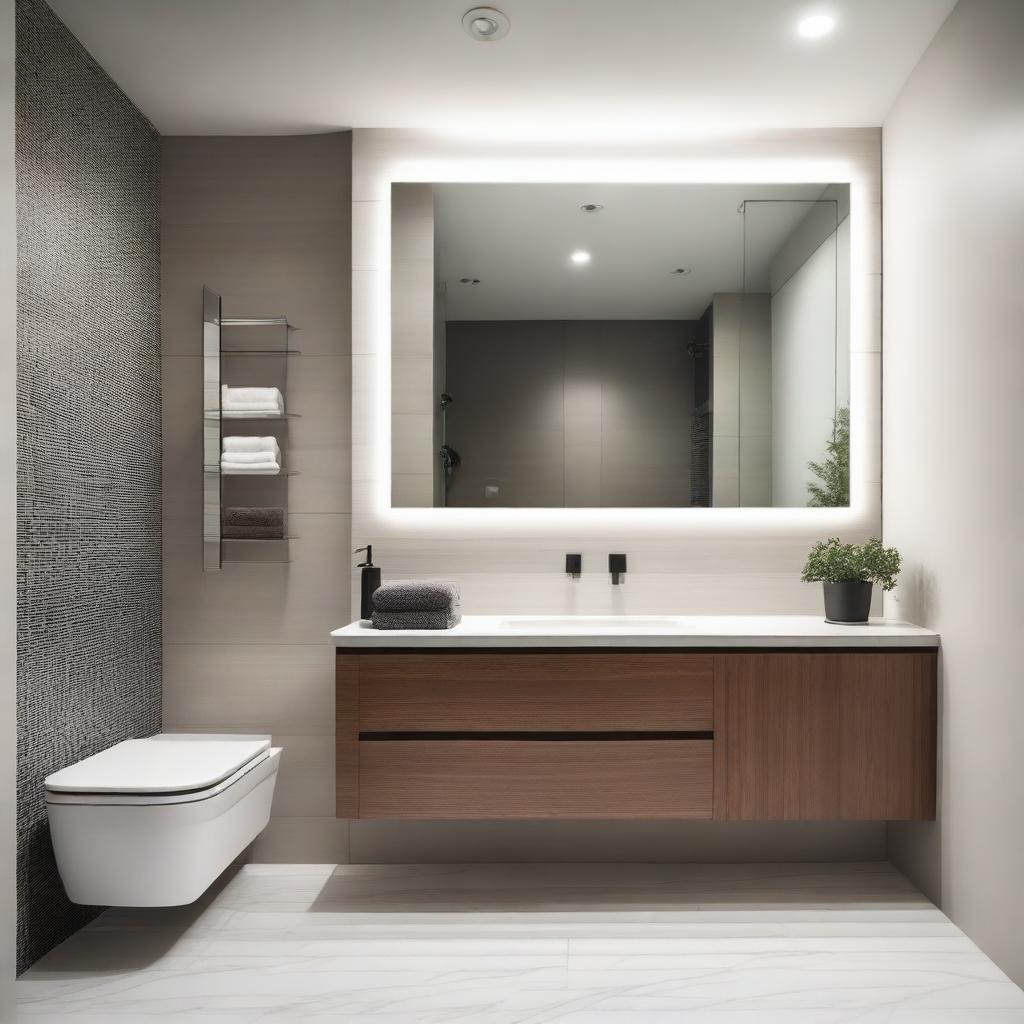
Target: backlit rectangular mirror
<point x="580" y="346"/>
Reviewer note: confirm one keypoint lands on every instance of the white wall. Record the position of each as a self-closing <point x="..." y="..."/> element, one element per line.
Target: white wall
<point x="684" y="561"/>
<point x="741" y="400"/>
<point x="806" y="355"/>
<point x="954" y="429"/>
<point x="8" y="507"/>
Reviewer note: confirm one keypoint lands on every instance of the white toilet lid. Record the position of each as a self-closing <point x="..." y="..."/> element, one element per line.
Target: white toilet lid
<point x="167" y="763"/>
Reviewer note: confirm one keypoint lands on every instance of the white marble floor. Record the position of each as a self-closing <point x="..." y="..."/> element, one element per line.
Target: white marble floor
<point x="530" y="944"/>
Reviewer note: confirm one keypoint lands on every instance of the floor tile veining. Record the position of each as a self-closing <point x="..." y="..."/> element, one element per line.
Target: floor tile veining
<point x="529" y="944"/>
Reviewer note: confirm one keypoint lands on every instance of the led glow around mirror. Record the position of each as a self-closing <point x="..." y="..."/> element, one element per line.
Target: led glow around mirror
<point x="624" y="380"/>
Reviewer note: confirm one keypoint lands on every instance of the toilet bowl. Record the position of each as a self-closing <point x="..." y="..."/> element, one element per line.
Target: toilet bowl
<point x="152" y="822"/>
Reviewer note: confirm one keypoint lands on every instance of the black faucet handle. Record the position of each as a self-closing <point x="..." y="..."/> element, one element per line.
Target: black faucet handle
<point x="574" y="566"/>
<point x="617" y="567"/>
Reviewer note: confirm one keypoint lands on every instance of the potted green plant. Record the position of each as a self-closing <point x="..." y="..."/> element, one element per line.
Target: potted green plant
<point x="847" y="572"/>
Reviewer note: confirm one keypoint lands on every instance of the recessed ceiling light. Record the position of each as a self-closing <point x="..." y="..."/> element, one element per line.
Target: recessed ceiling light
<point x="591" y="207"/>
<point x="580" y="257"/>
<point x="682" y="270"/>
<point x="485" y="24"/>
<point x="814" y="26"/>
<point x="469" y="280"/>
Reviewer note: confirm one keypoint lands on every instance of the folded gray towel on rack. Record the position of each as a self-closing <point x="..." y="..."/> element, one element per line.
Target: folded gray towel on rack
<point x="444" y="618"/>
<point x="253" y="523"/>
<point x="416" y="596"/>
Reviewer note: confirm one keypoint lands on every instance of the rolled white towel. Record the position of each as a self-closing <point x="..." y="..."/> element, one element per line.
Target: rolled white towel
<point x="262" y="447"/>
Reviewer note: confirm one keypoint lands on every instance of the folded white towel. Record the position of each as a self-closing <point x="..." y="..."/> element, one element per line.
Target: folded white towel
<point x="265" y="449"/>
<point x="250" y="444"/>
<point x="272" y="406"/>
<point x="251" y="414"/>
<point x="248" y="458"/>
<point x="251" y="399"/>
<point x="250" y="468"/>
<point x="257" y="396"/>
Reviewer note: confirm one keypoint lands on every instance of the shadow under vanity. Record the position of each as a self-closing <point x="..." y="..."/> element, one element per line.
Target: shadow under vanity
<point x="836" y="724"/>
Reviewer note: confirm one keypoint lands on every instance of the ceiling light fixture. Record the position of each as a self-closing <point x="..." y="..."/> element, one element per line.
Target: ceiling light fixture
<point x="485" y="24"/>
<point x="682" y="270"/>
<point x="580" y="257"/>
<point x="591" y="207"/>
<point x="814" y="26"/>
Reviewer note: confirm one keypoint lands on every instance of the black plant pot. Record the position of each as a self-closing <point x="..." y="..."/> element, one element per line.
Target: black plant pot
<point x="847" y="602"/>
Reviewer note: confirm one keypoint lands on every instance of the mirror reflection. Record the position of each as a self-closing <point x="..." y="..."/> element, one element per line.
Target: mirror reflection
<point x="620" y="345"/>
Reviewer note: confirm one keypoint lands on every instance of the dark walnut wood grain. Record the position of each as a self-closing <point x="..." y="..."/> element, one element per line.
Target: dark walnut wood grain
<point x="825" y="736"/>
<point x="502" y="692"/>
<point x="530" y="779"/>
<point x="346" y="725"/>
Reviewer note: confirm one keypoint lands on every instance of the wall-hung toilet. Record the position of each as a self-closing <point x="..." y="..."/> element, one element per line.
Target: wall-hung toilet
<point x="152" y="822"/>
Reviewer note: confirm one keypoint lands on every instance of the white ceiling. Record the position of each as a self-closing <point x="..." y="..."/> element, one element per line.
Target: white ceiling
<point x="517" y="239"/>
<point x="610" y="70"/>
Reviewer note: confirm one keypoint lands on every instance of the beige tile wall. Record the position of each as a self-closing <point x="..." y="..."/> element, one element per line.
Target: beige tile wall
<point x="266" y="223"/>
<point x="412" y="329"/>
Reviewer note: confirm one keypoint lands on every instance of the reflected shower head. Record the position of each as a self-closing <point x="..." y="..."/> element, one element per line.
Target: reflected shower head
<point x="446" y="399"/>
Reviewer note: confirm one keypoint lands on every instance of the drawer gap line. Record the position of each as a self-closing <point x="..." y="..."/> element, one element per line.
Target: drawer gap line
<point x="535" y="735"/>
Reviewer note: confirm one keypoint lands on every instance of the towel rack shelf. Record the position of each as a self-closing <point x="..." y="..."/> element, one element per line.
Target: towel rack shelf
<point x="262" y="476"/>
<point x="218" y="356"/>
<point x="260" y="540"/>
<point x="257" y="321"/>
<point x="260" y="352"/>
<point x="220" y="417"/>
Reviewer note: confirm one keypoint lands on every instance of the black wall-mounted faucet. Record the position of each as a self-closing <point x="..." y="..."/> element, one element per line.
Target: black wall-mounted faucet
<point x="617" y="567"/>
<point x="574" y="566"/>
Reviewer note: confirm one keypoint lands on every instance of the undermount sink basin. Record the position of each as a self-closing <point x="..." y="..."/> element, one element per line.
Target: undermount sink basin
<point x="591" y="622"/>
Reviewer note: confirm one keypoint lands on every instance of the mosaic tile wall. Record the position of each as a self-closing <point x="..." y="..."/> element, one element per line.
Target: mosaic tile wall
<point x="89" y="442"/>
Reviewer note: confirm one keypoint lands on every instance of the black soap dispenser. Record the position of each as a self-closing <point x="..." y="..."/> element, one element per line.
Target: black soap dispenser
<point x="370" y="582"/>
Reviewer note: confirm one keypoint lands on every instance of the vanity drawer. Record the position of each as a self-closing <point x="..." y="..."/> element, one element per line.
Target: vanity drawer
<point x="439" y="779"/>
<point x="509" y="692"/>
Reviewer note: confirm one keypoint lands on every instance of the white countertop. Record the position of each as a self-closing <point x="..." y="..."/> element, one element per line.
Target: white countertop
<point x="642" y="631"/>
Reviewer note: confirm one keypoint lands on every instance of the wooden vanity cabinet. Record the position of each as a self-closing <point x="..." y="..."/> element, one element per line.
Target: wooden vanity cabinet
<point x="784" y="735"/>
<point x="825" y="736"/>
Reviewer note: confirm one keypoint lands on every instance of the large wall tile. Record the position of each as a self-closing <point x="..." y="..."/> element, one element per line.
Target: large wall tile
<point x="298" y="602"/>
<point x="267" y="224"/>
<point x="250" y="687"/>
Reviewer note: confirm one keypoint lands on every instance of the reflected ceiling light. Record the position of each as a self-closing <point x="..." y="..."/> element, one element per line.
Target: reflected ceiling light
<point x="814" y="26"/>
<point x="485" y="24"/>
<point x="469" y="280"/>
<point x="591" y="207"/>
<point x="580" y="257"/>
<point x="682" y="270"/>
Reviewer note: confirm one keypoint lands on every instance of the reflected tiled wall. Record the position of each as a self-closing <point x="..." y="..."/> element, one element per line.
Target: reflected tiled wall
<point x="88" y="437"/>
<point x="265" y="223"/>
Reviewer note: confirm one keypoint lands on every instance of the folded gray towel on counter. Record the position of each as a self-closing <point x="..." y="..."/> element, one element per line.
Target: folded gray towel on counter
<point x="253" y="523"/>
<point x="416" y="596"/>
<point x="444" y="618"/>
